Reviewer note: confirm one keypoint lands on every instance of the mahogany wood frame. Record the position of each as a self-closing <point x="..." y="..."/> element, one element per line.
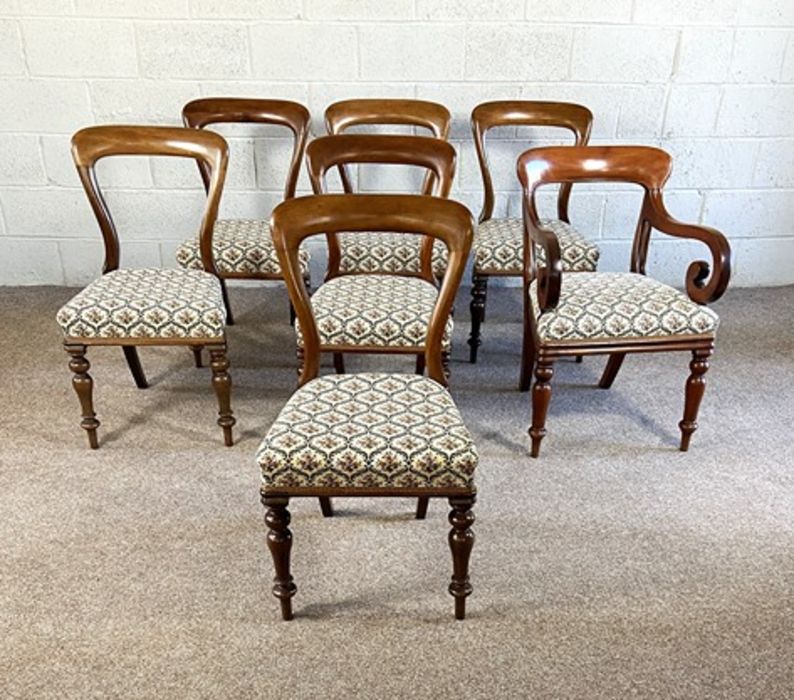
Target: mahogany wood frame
<point x="575" y="118"/>
<point x="705" y="281"/>
<point x="88" y="147"/>
<point x="207" y="111"/>
<point x="292" y="222"/>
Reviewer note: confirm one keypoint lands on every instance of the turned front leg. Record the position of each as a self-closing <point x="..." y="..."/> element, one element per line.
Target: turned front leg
<point x="695" y="386"/>
<point x="541" y="395"/>
<point x="222" y="383"/>
<point x="461" y="540"/>
<point x="84" y="387"/>
<point x="279" y="542"/>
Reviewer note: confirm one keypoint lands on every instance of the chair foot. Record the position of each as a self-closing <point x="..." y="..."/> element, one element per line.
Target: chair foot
<point x="134" y="363"/>
<point x="421" y="507"/>
<point x="461" y="541"/>
<point x="326" y="507"/>
<point x="222" y="383"/>
<point x="541" y="395"/>
<point x="695" y="386"/>
<point x="479" y="289"/>
<point x="611" y="370"/>
<point x="84" y="387"/>
<point x="279" y="542"/>
<point x="579" y="359"/>
<point x="197" y="360"/>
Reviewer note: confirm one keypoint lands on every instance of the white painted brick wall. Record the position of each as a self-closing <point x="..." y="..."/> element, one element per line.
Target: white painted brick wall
<point x="712" y="81"/>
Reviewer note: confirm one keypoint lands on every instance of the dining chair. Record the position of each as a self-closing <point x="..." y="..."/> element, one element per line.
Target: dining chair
<point x="498" y="242"/>
<point x="370" y="434"/>
<point x="151" y="306"/>
<point x="613" y="313"/>
<point x="378" y="311"/>
<point x="243" y="248"/>
<point x="383" y="251"/>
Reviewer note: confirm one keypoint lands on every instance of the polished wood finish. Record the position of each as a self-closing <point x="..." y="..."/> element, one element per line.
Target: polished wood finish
<point x="508" y="113"/>
<point x="705" y="281"/>
<point x="293" y="222"/>
<point x="210" y="151"/>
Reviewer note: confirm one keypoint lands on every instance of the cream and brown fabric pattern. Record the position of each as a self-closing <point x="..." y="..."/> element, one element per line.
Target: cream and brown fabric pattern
<point x="240" y="246"/>
<point x="499" y="247"/>
<point x="147" y="303"/>
<point x="374" y="310"/>
<point x="368" y="431"/>
<point x="382" y="251"/>
<point x="599" y="305"/>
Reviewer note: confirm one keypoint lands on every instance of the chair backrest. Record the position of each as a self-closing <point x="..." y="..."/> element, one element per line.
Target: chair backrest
<point x="210" y="150"/>
<point x="206" y="111"/>
<point x="346" y="114"/>
<point x="645" y="166"/>
<point x="442" y="219"/>
<point x="565" y="115"/>
<point x="435" y="155"/>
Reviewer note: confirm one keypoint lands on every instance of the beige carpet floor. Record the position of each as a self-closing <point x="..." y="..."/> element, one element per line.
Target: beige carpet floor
<point x="613" y="566"/>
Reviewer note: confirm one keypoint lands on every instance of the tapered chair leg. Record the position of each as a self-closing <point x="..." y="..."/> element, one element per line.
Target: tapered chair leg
<point x="541" y="395"/>
<point x="339" y="363"/>
<point x="527" y="359"/>
<point x="222" y="383"/>
<point x="279" y="542"/>
<point x="695" y="386"/>
<point x="226" y="303"/>
<point x="326" y="507"/>
<point x="421" y="507"/>
<point x="197" y="361"/>
<point x="420" y="364"/>
<point x="611" y="370"/>
<point x="134" y="363"/>
<point x="479" y="290"/>
<point x="84" y="387"/>
<point x="461" y="540"/>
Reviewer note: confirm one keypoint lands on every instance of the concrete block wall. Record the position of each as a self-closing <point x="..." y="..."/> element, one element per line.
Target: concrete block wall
<point x="710" y="81"/>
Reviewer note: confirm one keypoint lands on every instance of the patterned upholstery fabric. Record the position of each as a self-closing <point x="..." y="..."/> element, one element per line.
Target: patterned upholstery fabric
<point x="379" y="251"/>
<point x="499" y="247"/>
<point x="240" y="246"/>
<point x="368" y="431"/>
<point x="376" y="310"/>
<point x="148" y="303"/>
<point x="595" y="305"/>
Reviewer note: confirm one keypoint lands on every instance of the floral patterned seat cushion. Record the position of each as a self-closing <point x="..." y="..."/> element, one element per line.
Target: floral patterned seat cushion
<point x="499" y="247"/>
<point x="240" y="246"/>
<point x="381" y="251"/>
<point x="148" y="303"/>
<point x="602" y="305"/>
<point x="368" y="431"/>
<point x="374" y="310"/>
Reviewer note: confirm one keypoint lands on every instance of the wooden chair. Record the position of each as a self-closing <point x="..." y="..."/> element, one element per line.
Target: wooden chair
<point x="595" y="313"/>
<point x="243" y="248"/>
<point x="498" y="243"/>
<point x="384" y="251"/>
<point x="134" y="307"/>
<point x="378" y="311"/>
<point x="374" y="434"/>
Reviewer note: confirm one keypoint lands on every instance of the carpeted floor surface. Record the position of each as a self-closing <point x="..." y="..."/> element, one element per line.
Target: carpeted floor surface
<point x="613" y="566"/>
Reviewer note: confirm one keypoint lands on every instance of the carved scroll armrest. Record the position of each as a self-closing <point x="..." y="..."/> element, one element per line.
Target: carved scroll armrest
<point x="704" y="282"/>
<point x="549" y="277"/>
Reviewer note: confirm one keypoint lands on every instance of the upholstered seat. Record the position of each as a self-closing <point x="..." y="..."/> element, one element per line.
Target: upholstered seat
<point x="378" y="251"/>
<point x="499" y="247"/>
<point x="147" y="303"/>
<point x="240" y="247"/>
<point x="610" y="305"/>
<point x="370" y="431"/>
<point x="374" y="310"/>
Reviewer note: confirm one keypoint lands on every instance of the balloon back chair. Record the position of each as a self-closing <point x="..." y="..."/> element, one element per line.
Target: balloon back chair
<point x="373" y="434"/>
<point x="498" y="242"/>
<point x="243" y="248"/>
<point x="613" y="313"/>
<point x="383" y="251"/>
<point x="147" y="307"/>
